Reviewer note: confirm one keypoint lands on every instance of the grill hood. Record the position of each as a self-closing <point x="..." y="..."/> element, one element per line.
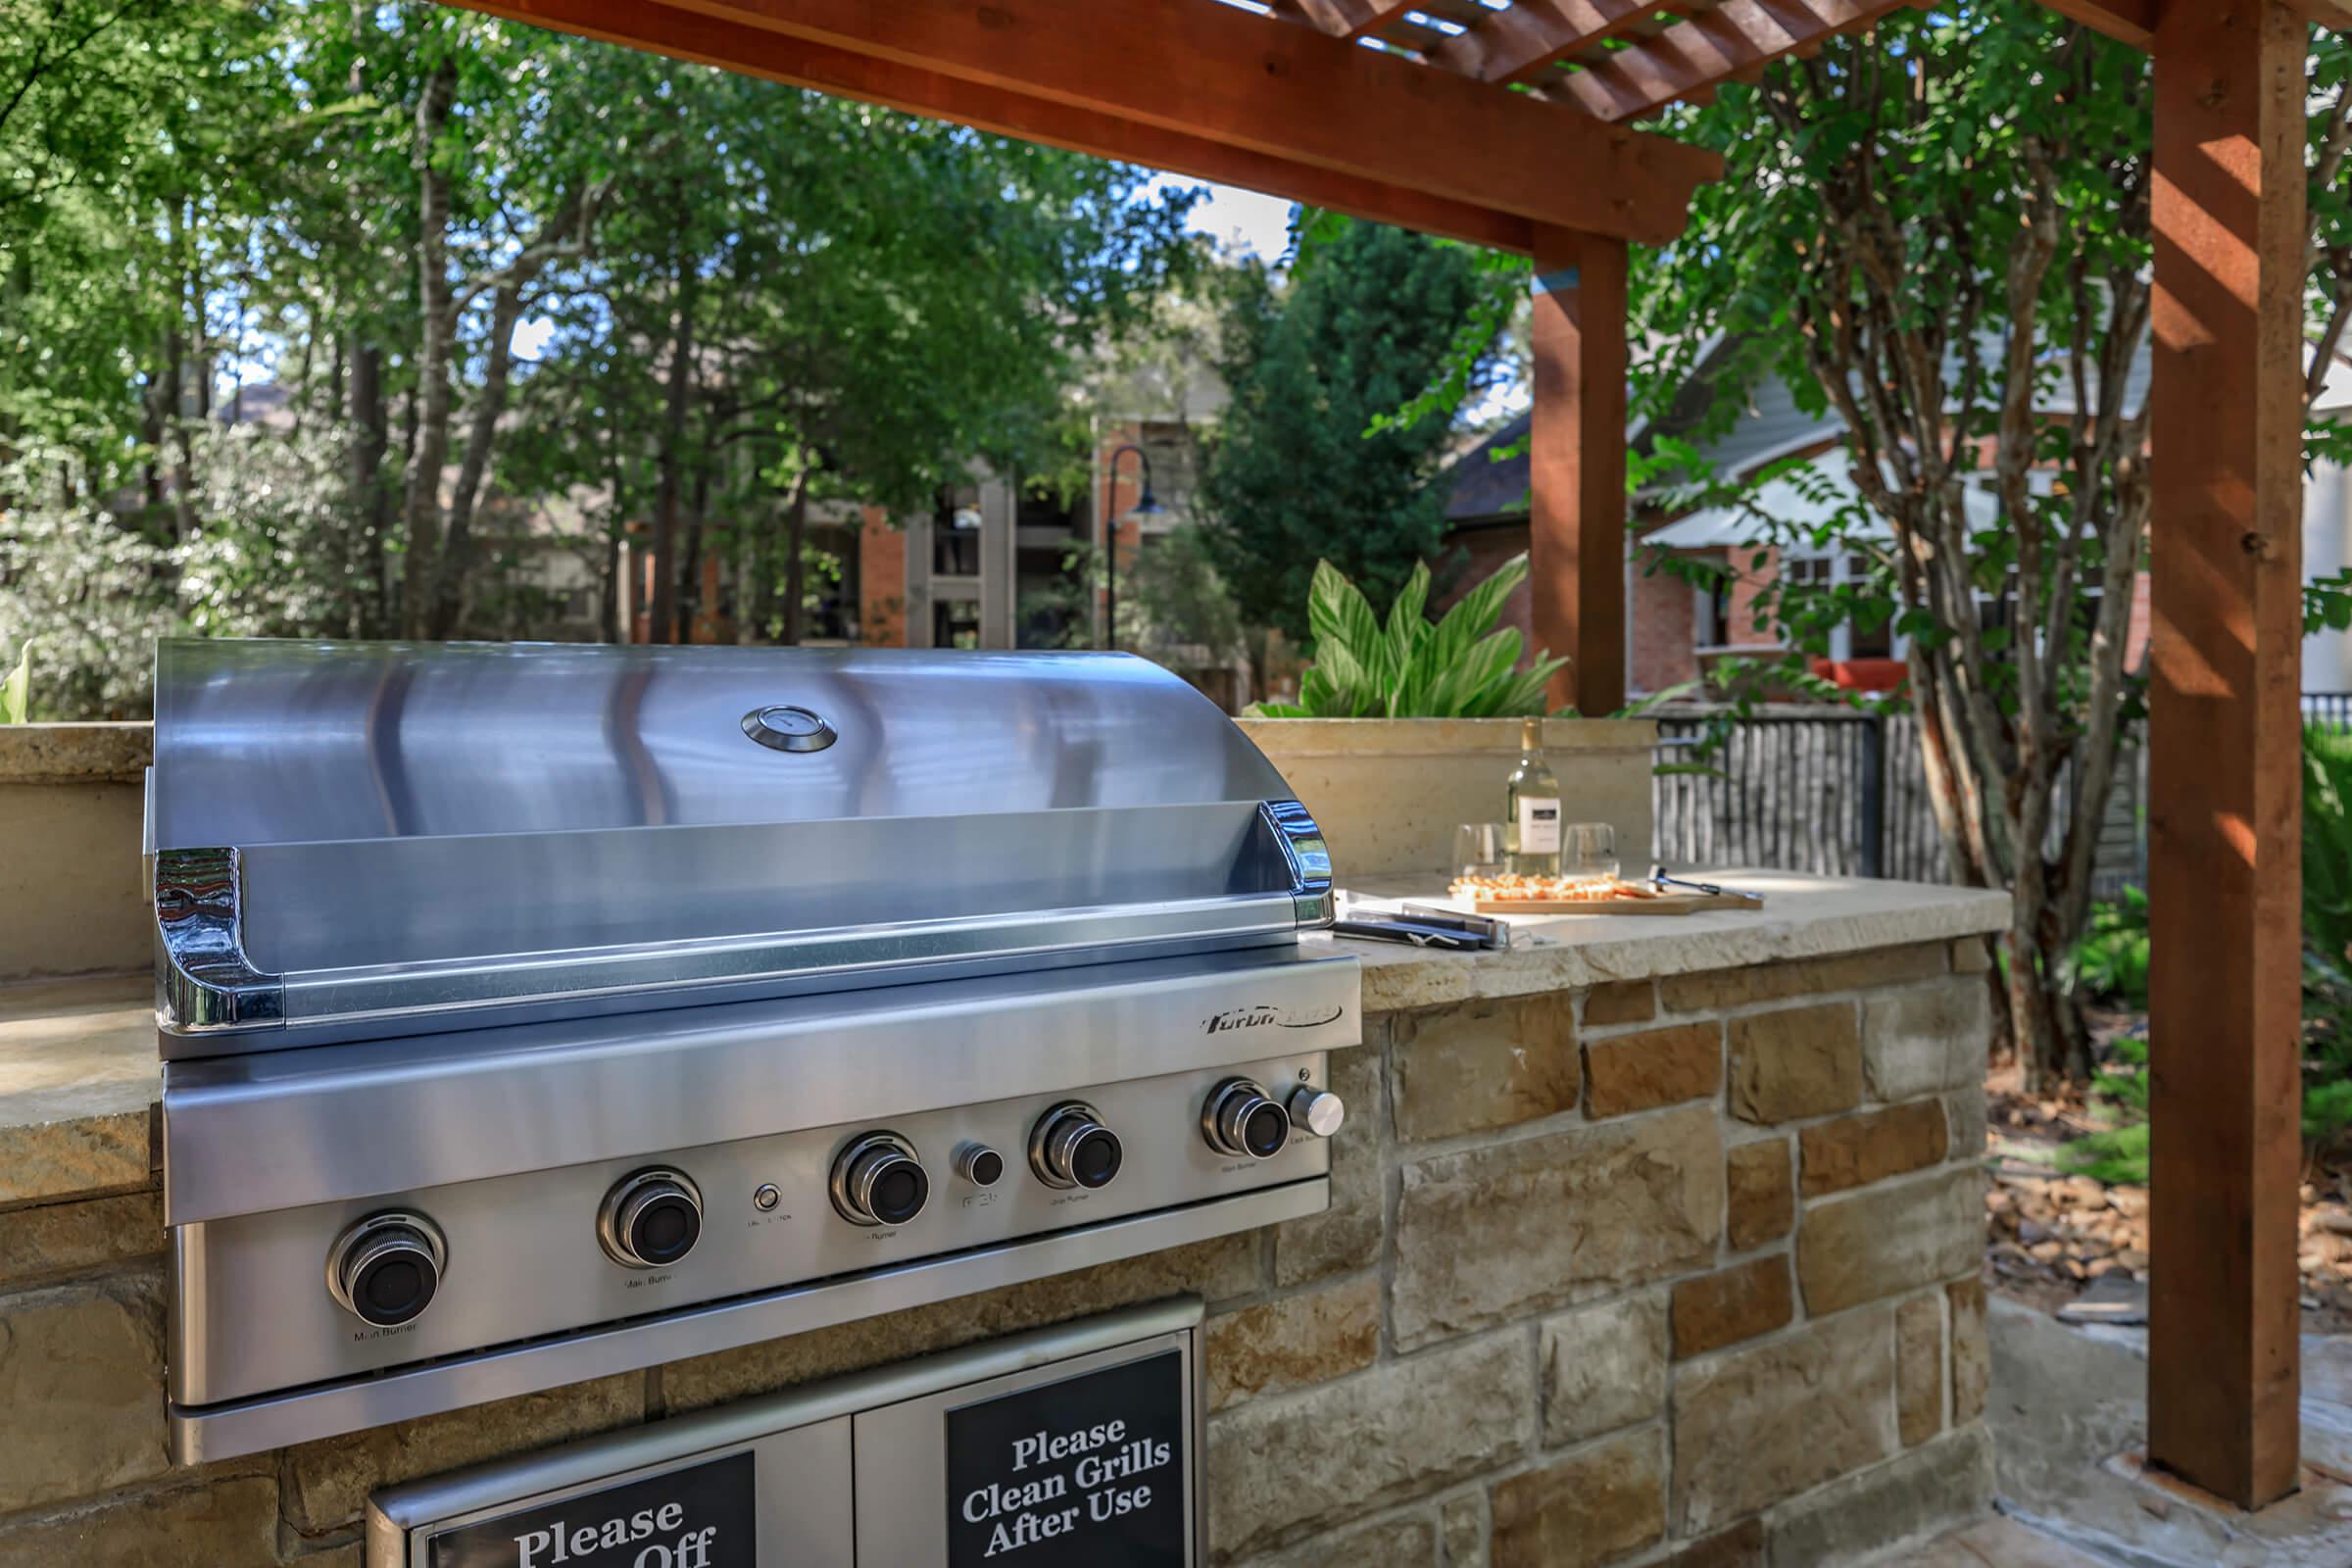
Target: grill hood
<point x="352" y="839"/>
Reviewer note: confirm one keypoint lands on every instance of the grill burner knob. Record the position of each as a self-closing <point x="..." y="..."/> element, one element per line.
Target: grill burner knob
<point x="385" y="1269"/>
<point x="879" y="1181"/>
<point x="1240" y="1118"/>
<point x="651" y="1219"/>
<point x="1071" y="1148"/>
<point x="1317" y="1112"/>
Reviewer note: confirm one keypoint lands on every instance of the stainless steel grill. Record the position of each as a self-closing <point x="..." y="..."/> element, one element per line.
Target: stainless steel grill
<point x="533" y="1013"/>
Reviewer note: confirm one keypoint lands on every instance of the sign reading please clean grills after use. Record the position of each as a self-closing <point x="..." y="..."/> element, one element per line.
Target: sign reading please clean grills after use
<point x="1072" y="1446"/>
<point x="1086" y="1471"/>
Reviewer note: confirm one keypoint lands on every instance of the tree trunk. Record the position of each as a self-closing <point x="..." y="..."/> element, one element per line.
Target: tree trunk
<point x="673" y="440"/>
<point x="690" y="604"/>
<point x="370" y="432"/>
<point x="456" y="542"/>
<point x="433" y="367"/>
<point x="796" y="539"/>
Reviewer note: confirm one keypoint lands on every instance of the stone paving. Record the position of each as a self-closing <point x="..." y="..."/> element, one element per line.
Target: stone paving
<point x="2068" y="1416"/>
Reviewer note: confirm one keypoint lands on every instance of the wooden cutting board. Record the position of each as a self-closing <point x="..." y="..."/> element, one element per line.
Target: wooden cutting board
<point x="1661" y="904"/>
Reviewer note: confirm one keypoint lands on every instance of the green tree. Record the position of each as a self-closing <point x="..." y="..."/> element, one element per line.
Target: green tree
<point x="759" y="298"/>
<point x="1304" y="467"/>
<point x="1939" y="232"/>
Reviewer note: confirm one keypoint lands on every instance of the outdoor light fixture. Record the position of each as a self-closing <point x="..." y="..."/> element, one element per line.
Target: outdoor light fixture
<point x="1146" y="506"/>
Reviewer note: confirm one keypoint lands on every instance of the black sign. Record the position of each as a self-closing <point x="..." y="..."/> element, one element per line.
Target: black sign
<point x="694" y="1518"/>
<point x="1074" y="1474"/>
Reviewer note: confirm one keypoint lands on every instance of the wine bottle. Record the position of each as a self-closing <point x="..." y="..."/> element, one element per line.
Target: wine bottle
<point x="1530" y="818"/>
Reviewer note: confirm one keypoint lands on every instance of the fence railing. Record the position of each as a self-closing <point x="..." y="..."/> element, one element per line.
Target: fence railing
<point x="2332" y="709"/>
<point x="1840" y="793"/>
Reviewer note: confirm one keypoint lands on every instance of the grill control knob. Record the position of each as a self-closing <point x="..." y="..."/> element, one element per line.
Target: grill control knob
<point x="1071" y="1148"/>
<point x="385" y="1269"/>
<point x="651" y="1219"/>
<point x="879" y="1181"/>
<point x="979" y="1164"/>
<point x="1240" y="1118"/>
<point x="1317" y="1112"/>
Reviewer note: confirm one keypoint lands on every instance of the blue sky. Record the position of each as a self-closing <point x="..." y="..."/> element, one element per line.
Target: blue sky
<point x="1253" y="221"/>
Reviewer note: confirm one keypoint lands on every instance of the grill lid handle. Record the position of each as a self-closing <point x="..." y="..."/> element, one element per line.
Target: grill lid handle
<point x="205" y="981"/>
<point x="1305" y="852"/>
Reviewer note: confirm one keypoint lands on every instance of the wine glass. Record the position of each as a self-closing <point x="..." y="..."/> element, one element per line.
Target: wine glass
<point x="1478" y="850"/>
<point x="1589" y="850"/>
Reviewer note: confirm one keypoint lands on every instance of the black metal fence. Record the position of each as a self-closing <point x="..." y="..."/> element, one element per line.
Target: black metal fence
<point x="1837" y="792"/>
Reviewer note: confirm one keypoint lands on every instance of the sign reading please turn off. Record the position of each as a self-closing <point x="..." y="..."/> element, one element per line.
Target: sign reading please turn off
<point x="699" y="1517"/>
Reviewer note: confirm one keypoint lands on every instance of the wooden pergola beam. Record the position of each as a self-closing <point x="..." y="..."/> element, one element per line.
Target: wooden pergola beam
<point x="1577" y="540"/>
<point x="1715" y="46"/>
<point x="708" y="40"/>
<point x="1513" y="45"/>
<point x="1216" y="74"/>
<point x="2224" y="778"/>
<point x="2132" y="21"/>
<point x="1341" y="19"/>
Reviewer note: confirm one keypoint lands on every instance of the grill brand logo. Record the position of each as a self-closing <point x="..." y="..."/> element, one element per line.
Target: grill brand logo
<point x="1261" y="1017"/>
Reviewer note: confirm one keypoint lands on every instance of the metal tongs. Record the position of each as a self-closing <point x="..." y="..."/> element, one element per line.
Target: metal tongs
<point x="1660" y="879"/>
<point x="1423" y="925"/>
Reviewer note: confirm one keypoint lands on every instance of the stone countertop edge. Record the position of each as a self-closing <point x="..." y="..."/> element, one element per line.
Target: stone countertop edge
<point x="79" y="1076"/>
<point x="1804" y="917"/>
<point x="75" y="753"/>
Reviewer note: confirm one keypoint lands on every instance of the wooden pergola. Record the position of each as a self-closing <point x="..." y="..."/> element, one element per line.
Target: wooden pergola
<point x="1507" y="122"/>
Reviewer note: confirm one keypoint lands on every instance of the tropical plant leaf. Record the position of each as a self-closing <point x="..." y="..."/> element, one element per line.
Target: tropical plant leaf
<point x="16" y="691"/>
<point x="1463" y="666"/>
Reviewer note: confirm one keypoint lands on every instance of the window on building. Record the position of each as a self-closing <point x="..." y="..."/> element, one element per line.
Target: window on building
<point x="955" y="624"/>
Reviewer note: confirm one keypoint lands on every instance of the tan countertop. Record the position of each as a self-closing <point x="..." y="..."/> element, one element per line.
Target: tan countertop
<point x="79" y="1076"/>
<point x="1804" y="917"/>
<point x="78" y="1081"/>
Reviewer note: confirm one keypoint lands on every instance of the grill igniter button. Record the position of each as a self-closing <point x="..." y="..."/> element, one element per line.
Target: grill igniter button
<point x="879" y="1181"/>
<point x="979" y="1164"/>
<point x="651" y="1219"/>
<point x="384" y="1269"/>
<point x="1242" y="1118"/>
<point x="1317" y="1112"/>
<point x="1071" y="1148"/>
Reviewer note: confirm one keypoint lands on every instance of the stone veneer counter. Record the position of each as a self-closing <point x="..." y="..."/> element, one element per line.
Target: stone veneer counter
<point x="1653" y="1241"/>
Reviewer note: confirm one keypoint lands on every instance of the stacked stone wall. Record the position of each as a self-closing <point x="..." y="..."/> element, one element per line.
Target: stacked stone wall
<point x="1661" y="1272"/>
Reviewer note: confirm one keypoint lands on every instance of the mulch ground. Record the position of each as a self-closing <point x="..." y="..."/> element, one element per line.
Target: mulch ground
<point x="2052" y="1234"/>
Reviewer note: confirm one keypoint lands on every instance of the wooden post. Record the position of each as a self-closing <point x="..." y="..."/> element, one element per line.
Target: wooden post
<point x="2224" y="876"/>
<point x="1575" y="466"/>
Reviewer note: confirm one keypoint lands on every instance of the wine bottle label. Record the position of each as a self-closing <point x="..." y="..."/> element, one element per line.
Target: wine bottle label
<point x="1539" y="826"/>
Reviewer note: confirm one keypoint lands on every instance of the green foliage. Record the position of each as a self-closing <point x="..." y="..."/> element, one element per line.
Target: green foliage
<point x="2327" y="843"/>
<point x="15" y="690"/>
<point x="198" y="193"/>
<point x="1305" y="469"/>
<point x="2111" y="960"/>
<point x="73" y="579"/>
<point x="1462" y="666"/>
<point x="1173" y="603"/>
<point x="2117" y="1155"/>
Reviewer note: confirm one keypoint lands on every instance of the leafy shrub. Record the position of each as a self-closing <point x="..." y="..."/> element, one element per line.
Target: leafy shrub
<point x="1461" y="667"/>
<point x="2118" y="1157"/>
<point x="2111" y="961"/>
<point x="2327" y="843"/>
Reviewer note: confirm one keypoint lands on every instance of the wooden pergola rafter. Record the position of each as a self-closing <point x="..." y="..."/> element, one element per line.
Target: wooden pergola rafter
<point x="1506" y="122"/>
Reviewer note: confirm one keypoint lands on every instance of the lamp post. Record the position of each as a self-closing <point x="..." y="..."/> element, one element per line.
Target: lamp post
<point x="1145" y="507"/>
